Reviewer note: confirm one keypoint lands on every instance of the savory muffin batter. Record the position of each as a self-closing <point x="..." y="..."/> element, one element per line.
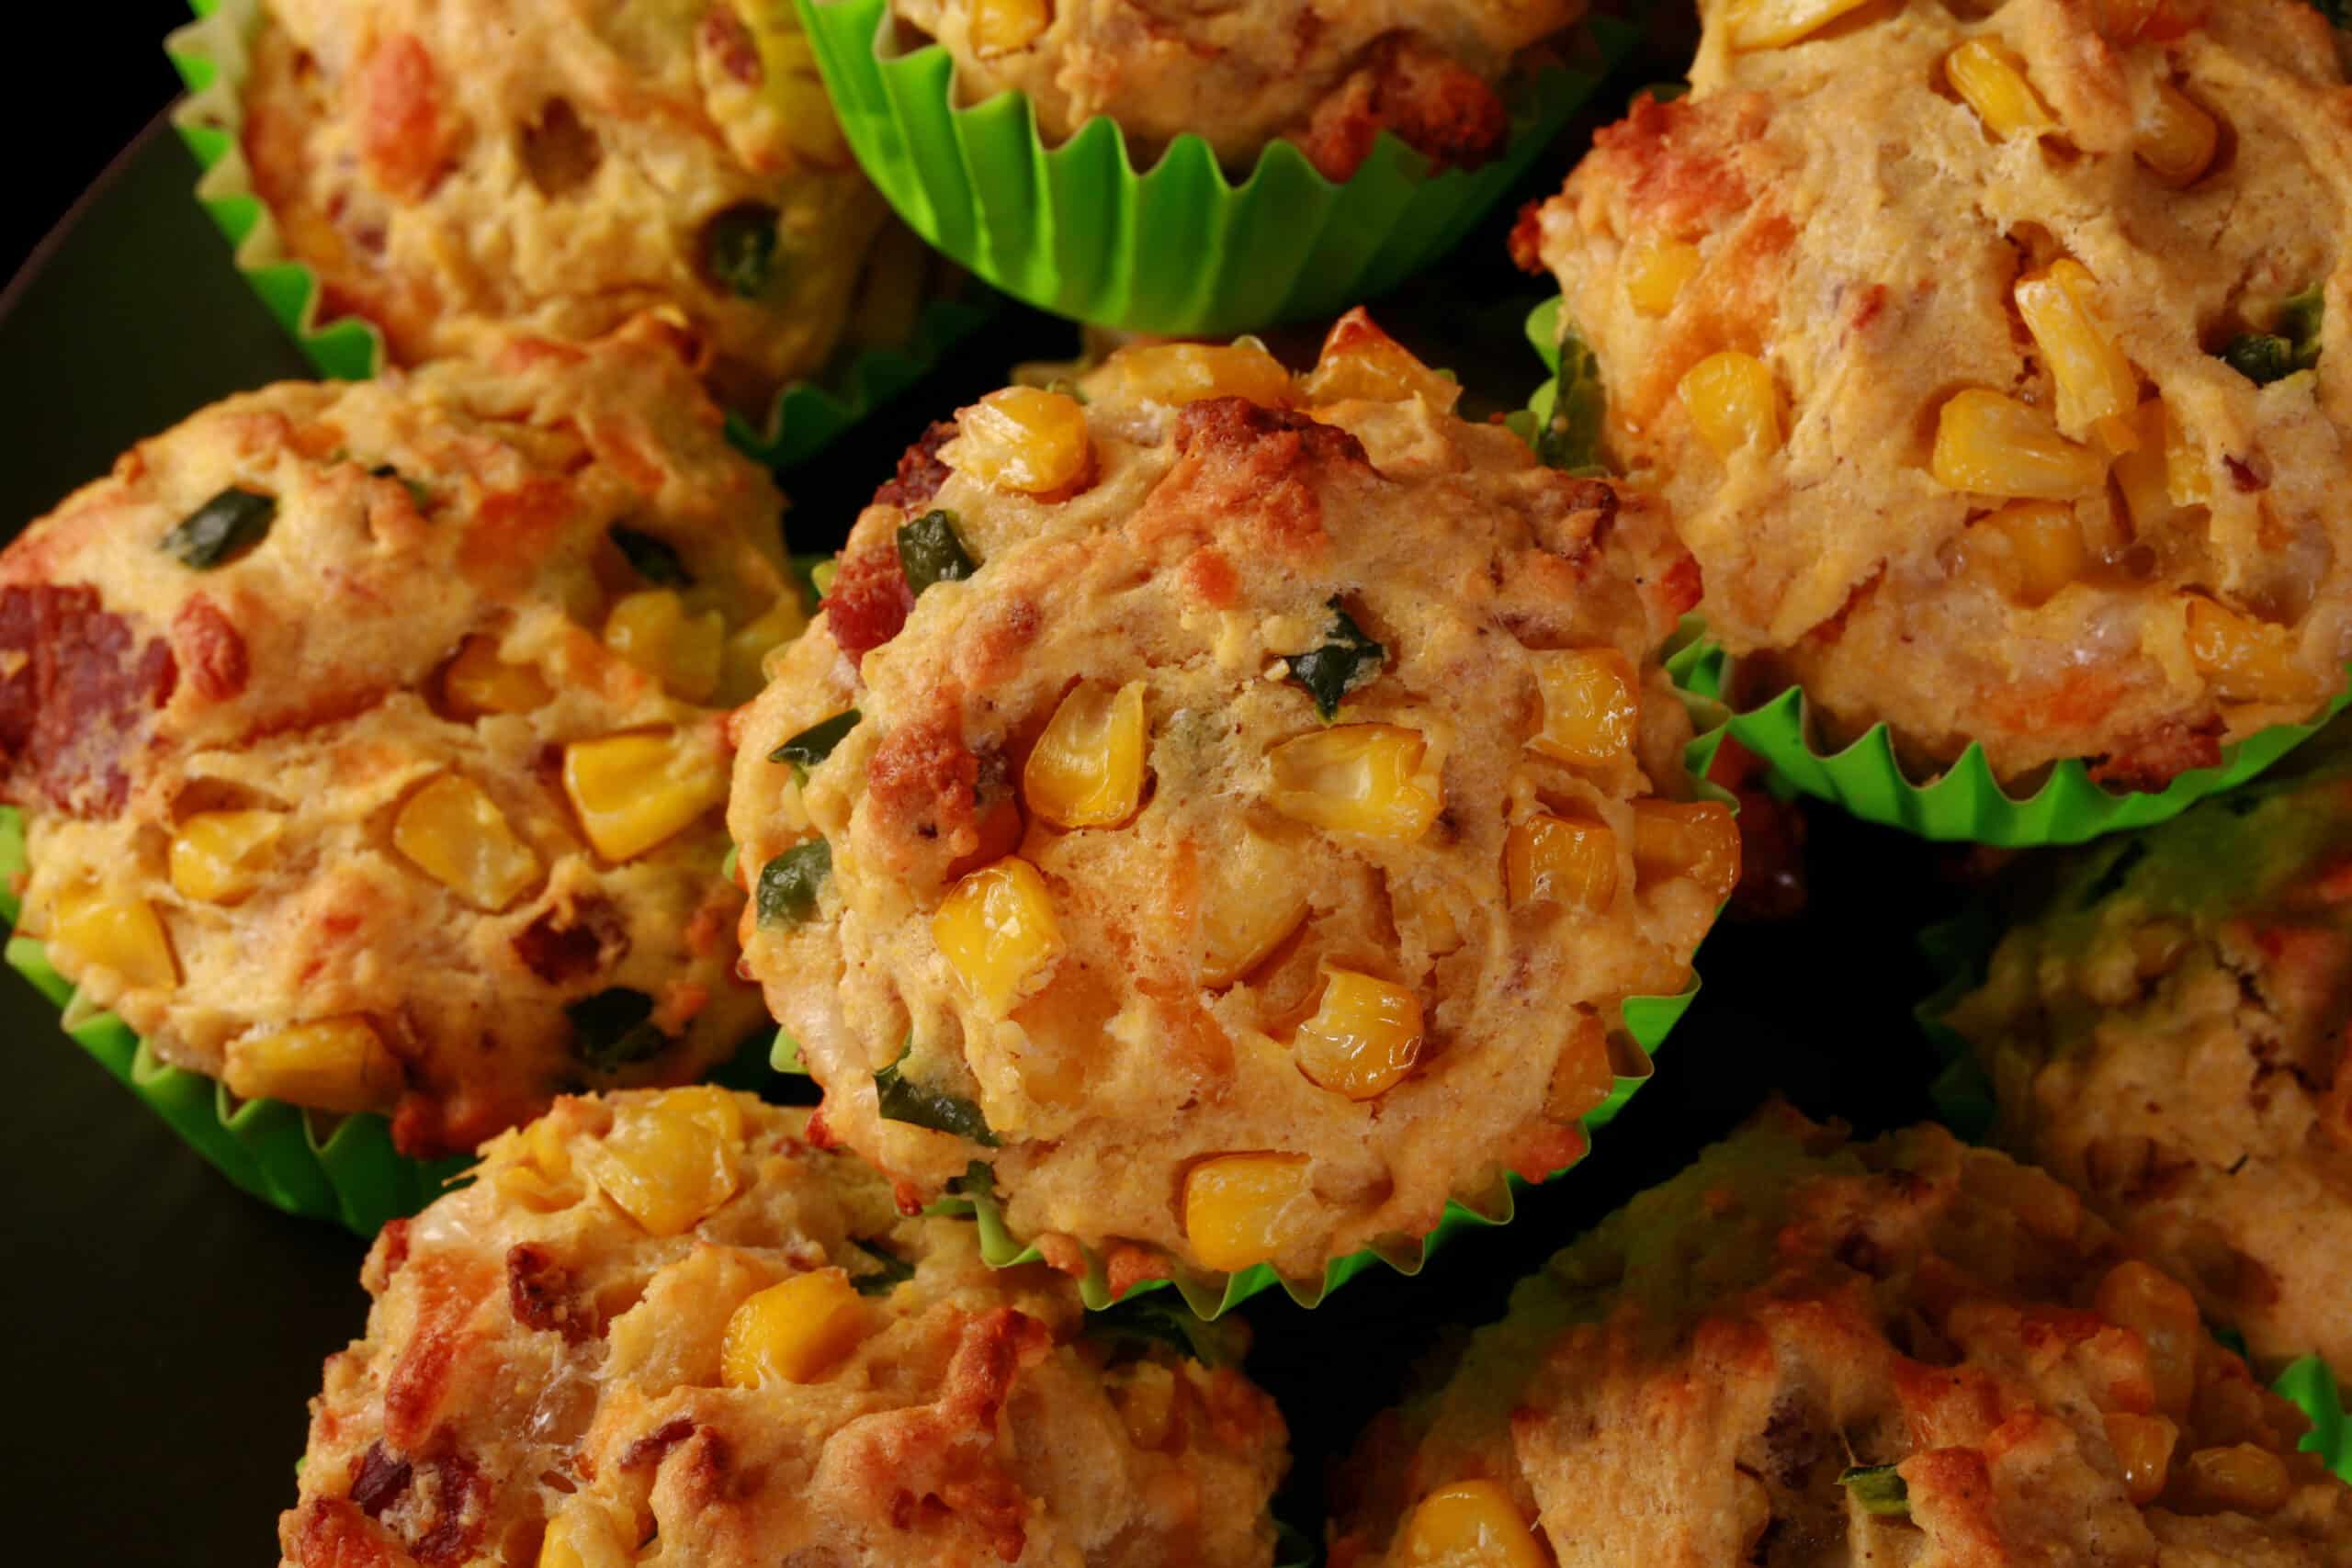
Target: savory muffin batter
<point x="1804" y="1352"/>
<point x="369" y="736"/>
<point x="1233" y="806"/>
<point x="1993" y="358"/>
<point x="2165" y="1031"/>
<point x="664" y="1327"/>
<point x="1325" y="74"/>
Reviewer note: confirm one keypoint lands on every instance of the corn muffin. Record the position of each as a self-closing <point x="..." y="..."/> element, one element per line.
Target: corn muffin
<point x="1232" y="805"/>
<point x="456" y="169"/>
<point x="1991" y="356"/>
<point x="2164" y="1029"/>
<point x="664" y="1327"/>
<point x="369" y="737"/>
<point x="1325" y="76"/>
<point x="1807" y="1351"/>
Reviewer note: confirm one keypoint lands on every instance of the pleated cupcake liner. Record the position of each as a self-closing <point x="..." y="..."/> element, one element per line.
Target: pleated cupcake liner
<point x="1177" y="248"/>
<point x="211" y="56"/>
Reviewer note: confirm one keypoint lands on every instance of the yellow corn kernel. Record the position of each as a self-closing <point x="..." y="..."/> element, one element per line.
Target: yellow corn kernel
<point x="1472" y="1524"/>
<point x="1086" y="770"/>
<point x="1561" y="860"/>
<point x="1180" y="373"/>
<point x="125" y="935"/>
<point x="798" y="1330"/>
<point x="1253" y="901"/>
<point x="634" y="791"/>
<point x="2142" y="470"/>
<point x="1023" y="438"/>
<point x="1583" y="1077"/>
<point x="2188" y="476"/>
<point x="582" y="1537"/>
<point x="997" y="930"/>
<point x="2241" y="1479"/>
<point x="2158" y="1308"/>
<point x="2032" y="549"/>
<point x="1771" y="24"/>
<point x="1699" y="839"/>
<point x="2142" y="1446"/>
<point x="332" y="1064"/>
<point x="457" y="836"/>
<point x="2247" y="660"/>
<point x="1358" y="778"/>
<point x="743" y="668"/>
<point x="652" y="631"/>
<point x="2094" y="381"/>
<point x="477" y="682"/>
<point x="1656" y="271"/>
<point x="2177" y="139"/>
<point x="1590" y="706"/>
<point x="671" y="1162"/>
<point x="1358" y="361"/>
<point x="1241" y="1210"/>
<point x="1991" y="80"/>
<point x="1365" y="1036"/>
<point x="1145" y="1393"/>
<point x="219" y="857"/>
<point x="1990" y="444"/>
<point x="1731" y="402"/>
<point x="538" y="1175"/>
<point x="999" y="26"/>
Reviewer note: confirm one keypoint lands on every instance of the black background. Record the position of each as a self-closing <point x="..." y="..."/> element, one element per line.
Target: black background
<point x="163" y="1333"/>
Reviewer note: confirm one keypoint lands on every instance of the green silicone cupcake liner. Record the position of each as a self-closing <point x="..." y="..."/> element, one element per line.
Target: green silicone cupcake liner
<point x="1177" y="248"/>
<point x="210" y="55"/>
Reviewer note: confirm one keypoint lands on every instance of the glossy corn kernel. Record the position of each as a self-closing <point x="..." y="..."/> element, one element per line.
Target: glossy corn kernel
<point x="2094" y="381"/>
<point x="1582" y="1077"/>
<point x="96" y="931"/>
<point x="1698" y="839"/>
<point x="1590" y="706"/>
<point x="1358" y="778"/>
<point x="997" y="930"/>
<point x="797" y="1331"/>
<point x="1772" y="24"/>
<point x="333" y="1064"/>
<point x="2143" y="1299"/>
<point x="2032" y="549"/>
<point x="1180" y="373"/>
<point x="2247" y="660"/>
<point x="1241" y="1210"/>
<point x="477" y="682"/>
<point x="1733" y="404"/>
<point x="634" y="791"/>
<point x="2177" y="139"/>
<point x="1991" y="80"/>
<point x="457" y="836"/>
<point x="743" y="667"/>
<point x="1561" y="860"/>
<point x="2142" y="1446"/>
<point x="220" y="857"/>
<point x="1086" y="770"/>
<point x="1472" y="1524"/>
<point x="672" y="1162"/>
<point x="1365" y="1037"/>
<point x="1656" y="270"/>
<point x="1987" y="444"/>
<point x="580" y="1537"/>
<point x="652" y="631"/>
<point x="1146" y="1393"/>
<point x="999" y="26"/>
<point x="538" y="1175"/>
<point x="2142" y="472"/>
<point x="1023" y="438"/>
<point x="2240" y="1479"/>
<point x="1358" y="361"/>
<point x="2189" y="475"/>
<point x="1252" y="902"/>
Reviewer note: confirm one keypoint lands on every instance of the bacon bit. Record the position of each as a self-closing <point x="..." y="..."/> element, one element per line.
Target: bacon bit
<point x="330" y="1533"/>
<point x="1210" y="579"/>
<point x="539" y="1291"/>
<point x="1430" y="101"/>
<point x="1543" y="1148"/>
<point x="1681" y="588"/>
<point x="1129" y="1265"/>
<point x="460" y="1500"/>
<point x="918" y="783"/>
<point x="869" y="601"/>
<point x="820" y="1135"/>
<point x="81" y="694"/>
<point x="729" y="43"/>
<point x="2244" y="477"/>
<point x="404" y="140"/>
<point x="378" y="1479"/>
<point x="2156" y="757"/>
<point x="210" y="649"/>
<point x="920" y="472"/>
<point x="1258" y="464"/>
<point x="564" y="942"/>
<point x="653" y="1447"/>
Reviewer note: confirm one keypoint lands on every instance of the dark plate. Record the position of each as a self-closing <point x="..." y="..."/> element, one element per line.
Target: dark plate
<point x="166" y="1332"/>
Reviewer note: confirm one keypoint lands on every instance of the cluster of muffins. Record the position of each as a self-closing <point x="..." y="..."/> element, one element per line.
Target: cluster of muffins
<point x="1225" y="819"/>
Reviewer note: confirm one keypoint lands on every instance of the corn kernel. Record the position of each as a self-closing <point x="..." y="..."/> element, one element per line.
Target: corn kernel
<point x="2142" y="1446"/>
<point x="580" y="1537"/>
<point x="2247" y="660"/>
<point x="538" y="1176"/>
<point x="2177" y="139"/>
<point x="1241" y="1210"/>
<point x="2094" y="381"/>
<point x="1733" y="403"/>
<point x="652" y="631"/>
<point x="1180" y="373"/>
<point x="999" y="26"/>
<point x="220" y="857"/>
<point x="1582" y="1076"/>
<point x="1656" y="271"/>
<point x="2032" y="549"/>
<point x="2137" y="1296"/>
<point x="1590" y="708"/>
<point x="477" y="682"/>
<point x="457" y="836"/>
<point x="1993" y="81"/>
<point x="634" y="791"/>
<point x="743" y="668"/>
<point x="1023" y="438"/>
<point x="122" y="934"/>
<point x="2188" y="476"/>
<point x="1562" y="861"/>
<point x="332" y="1064"/>
<point x="1358" y="778"/>
<point x="1365" y="1037"/>
<point x="1145" y="1393"/>
<point x="1359" y="361"/>
<point x="2241" y="1479"/>
<point x="1771" y="24"/>
<point x="1699" y="839"/>
<point x="1990" y="444"/>
<point x="1086" y="770"/>
<point x="1253" y="902"/>
<point x="671" y="1163"/>
<point x="798" y="1330"/>
<point x="2142" y="470"/>
<point x="1472" y="1524"/>
<point x="998" y="932"/>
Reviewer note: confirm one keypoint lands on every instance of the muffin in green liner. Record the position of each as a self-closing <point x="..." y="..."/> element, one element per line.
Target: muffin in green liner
<point x="901" y="314"/>
<point x="1176" y="247"/>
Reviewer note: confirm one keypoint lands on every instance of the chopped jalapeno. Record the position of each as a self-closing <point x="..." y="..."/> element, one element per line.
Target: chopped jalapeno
<point x="615" y="1028"/>
<point x="895" y="1270"/>
<point x="814" y="744"/>
<point x="222" y="528"/>
<point x="2292" y="344"/>
<point x="739" y="249"/>
<point x="790" y="884"/>
<point x="902" y="1101"/>
<point x="930" y="552"/>
<point x="654" y="559"/>
<point x="1571" y="440"/>
<point x="1878" y="1489"/>
<point x="1347" y="660"/>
